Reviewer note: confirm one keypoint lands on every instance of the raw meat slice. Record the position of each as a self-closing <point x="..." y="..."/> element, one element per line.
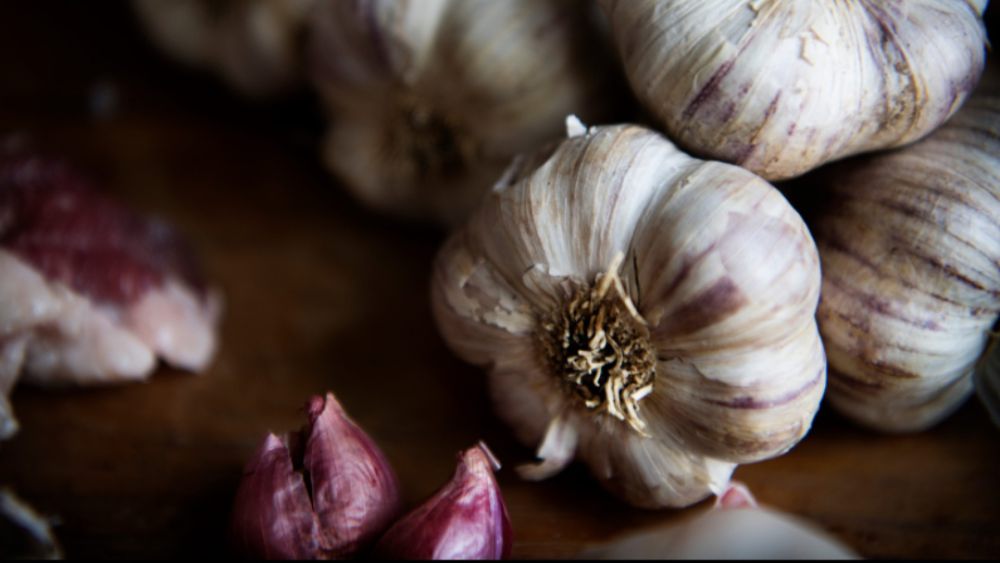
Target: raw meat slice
<point x="91" y="293"/>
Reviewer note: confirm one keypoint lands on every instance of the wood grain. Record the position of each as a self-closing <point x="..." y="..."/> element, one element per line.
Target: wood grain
<point x="323" y="295"/>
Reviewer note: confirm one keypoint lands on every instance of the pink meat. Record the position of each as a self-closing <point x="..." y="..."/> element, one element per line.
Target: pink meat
<point x="90" y="292"/>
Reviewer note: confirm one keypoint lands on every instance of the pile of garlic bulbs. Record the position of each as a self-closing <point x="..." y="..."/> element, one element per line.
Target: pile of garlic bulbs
<point x="648" y="312"/>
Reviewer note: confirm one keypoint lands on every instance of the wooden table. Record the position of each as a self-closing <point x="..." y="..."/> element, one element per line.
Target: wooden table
<point x="324" y="295"/>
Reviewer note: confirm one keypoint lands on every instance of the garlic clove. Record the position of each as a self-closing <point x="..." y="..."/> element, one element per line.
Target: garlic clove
<point x="354" y="489"/>
<point x="273" y="516"/>
<point x="735" y="495"/>
<point x="466" y="519"/>
<point x="325" y="492"/>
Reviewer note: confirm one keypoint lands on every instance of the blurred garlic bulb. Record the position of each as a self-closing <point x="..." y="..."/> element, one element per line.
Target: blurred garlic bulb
<point x="741" y="531"/>
<point x="254" y="44"/>
<point x="910" y="243"/>
<point x="648" y="312"/>
<point x="430" y="100"/>
<point x="782" y="86"/>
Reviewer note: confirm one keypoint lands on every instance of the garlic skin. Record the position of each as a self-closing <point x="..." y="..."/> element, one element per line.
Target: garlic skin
<point x="910" y="243"/>
<point x="781" y="87"/>
<point x="741" y="530"/>
<point x="466" y="519"/>
<point x="429" y="100"/>
<point x="351" y="497"/>
<point x="686" y="288"/>
<point x="253" y="44"/>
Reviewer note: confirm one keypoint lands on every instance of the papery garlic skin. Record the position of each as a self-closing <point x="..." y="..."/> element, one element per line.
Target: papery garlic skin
<point x="782" y="86"/>
<point x="466" y="519"/>
<point x="719" y="267"/>
<point x="429" y="100"/>
<point x="910" y="243"/>
<point x="351" y="498"/>
<point x="254" y="44"/>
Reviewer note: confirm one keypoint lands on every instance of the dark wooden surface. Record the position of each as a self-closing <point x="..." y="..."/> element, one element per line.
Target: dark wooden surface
<point x="323" y="295"/>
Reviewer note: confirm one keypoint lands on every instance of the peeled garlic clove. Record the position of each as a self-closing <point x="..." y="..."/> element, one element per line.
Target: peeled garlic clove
<point x="430" y="100"/>
<point x="466" y="519"/>
<point x="780" y="87"/>
<point x="647" y="312"/>
<point x="327" y="492"/>
<point x="743" y="531"/>
<point x="910" y="242"/>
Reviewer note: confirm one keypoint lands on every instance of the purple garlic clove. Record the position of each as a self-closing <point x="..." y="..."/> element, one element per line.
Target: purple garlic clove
<point x="466" y="519"/>
<point x="325" y="492"/>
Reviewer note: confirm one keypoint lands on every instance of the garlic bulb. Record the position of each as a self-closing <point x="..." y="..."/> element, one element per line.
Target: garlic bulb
<point x="782" y="86"/>
<point x="740" y="531"/>
<point x="430" y="100"/>
<point x="254" y="44"/>
<point x="910" y="243"/>
<point x="648" y="312"/>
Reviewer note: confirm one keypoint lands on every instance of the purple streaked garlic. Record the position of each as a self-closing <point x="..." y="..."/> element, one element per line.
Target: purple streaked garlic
<point x="644" y="311"/>
<point x="734" y="528"/>
<point x="780" y="88"/>
<point x="465" y="519"/>
<point x="325" y="492"/>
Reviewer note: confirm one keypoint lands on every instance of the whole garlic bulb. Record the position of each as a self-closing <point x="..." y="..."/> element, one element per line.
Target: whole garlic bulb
<point x="648" y="312"/>
<point x="910" y="243"/>
<point x="254" y="44"/>
<point x="430" y="99"/>
<point x="782" y="86"/>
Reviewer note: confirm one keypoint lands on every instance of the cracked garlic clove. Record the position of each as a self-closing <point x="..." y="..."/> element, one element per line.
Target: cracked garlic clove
<point x="649" y="313"/>
<point x="780" y="87"/>
<point x="910" y="243"/>
<point x="328" y="492"/>
<point x="466" y="519"/>
<point x="430" y="100"/>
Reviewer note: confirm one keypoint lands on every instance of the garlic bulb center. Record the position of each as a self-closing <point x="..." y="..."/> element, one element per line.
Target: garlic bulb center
<point x="598" y="345"/>
<point x="434" y="143"/>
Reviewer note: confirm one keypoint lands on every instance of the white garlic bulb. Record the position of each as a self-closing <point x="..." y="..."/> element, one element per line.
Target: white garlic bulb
<point x="429" y="100"/>
<point x="254" y="44"/>
<point x="650" y="313"/>
<point x="910" y="243"/>
<point x="782" y="86"/>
